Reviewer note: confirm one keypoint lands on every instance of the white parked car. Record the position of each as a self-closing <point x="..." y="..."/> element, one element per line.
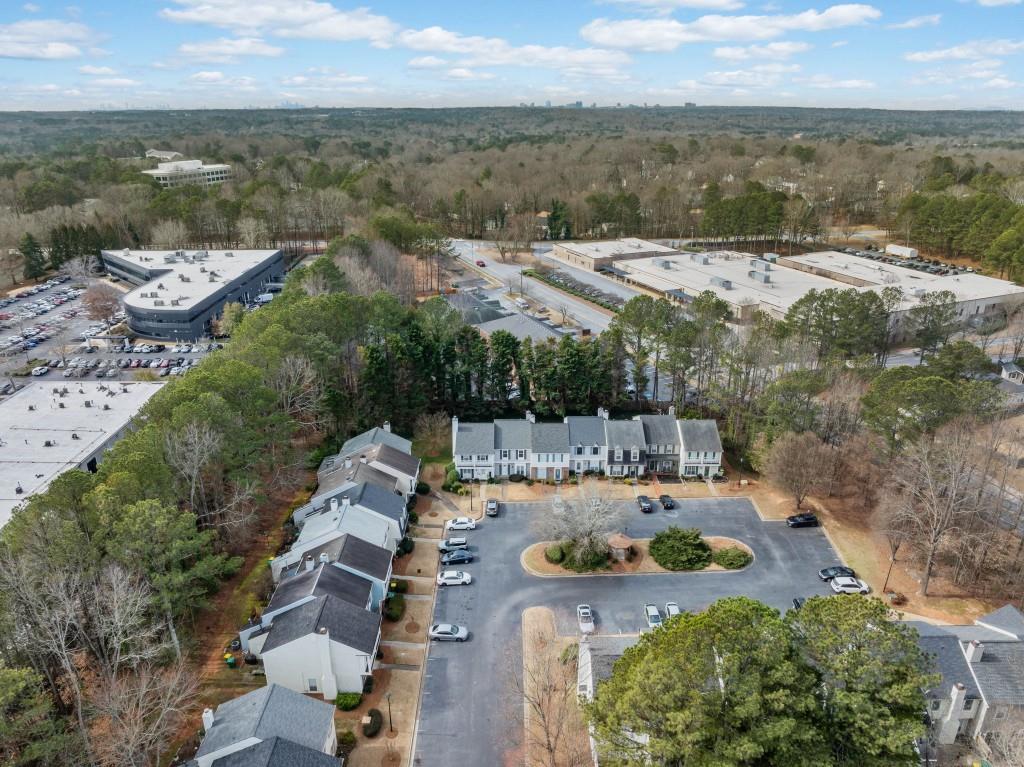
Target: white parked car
<point x="585" y="617"/>
<point x="40" y="371"/>
<point x="671" y="608"/>
<point x="844" y="585"/>
<point x="448" y="632"/>
<point x="652" y="615"/>
<point x="460" y="523"/>
<point x="454" y="578"/>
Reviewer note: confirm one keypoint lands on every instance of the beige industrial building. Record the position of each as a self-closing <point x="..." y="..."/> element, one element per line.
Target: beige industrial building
<point x="595" y="255"/>
<point x="189" y="173"/>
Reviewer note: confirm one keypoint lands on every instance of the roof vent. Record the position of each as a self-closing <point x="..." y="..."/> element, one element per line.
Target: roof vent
<point x="48" y="443"/>
<point x="31" y="407"/>
<point x="74" y="435"/>
<point x="88" y="403"/>
<point x="59" y="404"/>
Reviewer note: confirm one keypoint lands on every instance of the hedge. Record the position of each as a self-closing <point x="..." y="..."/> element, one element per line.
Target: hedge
<point x="371" y="728"/>
<point x="394" y="608"/>
<point x="680" y="549"/>
<point x="422" y="488"/>
<point x="732" y="558"/>
<point x="347" y="740"/>
<point x="554" y="554"/>
<point x="347" y="701"/>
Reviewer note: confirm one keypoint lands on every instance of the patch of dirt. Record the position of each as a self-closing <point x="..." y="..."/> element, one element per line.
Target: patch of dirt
<point x="412" y="627"/>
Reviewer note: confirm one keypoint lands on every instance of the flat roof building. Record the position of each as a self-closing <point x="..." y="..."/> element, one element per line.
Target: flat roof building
<point x="188" y="173"/>
<point x="49" y="428"/>
<point x="594" y="255"/>
<point x="180" y="292"/>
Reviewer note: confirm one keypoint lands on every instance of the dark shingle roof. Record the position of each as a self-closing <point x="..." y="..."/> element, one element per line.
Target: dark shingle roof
<point x="277" y="752"/>
<point x="660" y="429"/>
<point x="1007" y="619"/>
<point x="586" y="430"/>
<point x="474" y="438"/>
<point x="335" y="479"/>
<point x="1000" y="673"/>
<point x="512" y="434"/>
<point x="949" y="661"/>
<point x="604" y="651"/>
<point x="549" y="437"/>
<point x="347" y="624"/>
<point x="385" y="454"/>
<point x="363" y="556"/>
<point x="700" y="435"/>
<point x="272" y="711"/>
<point x="378" y="499"/>
<point x="375" y="436"/>
<point x="322" y="579"/>
<point x="625" y="434"/>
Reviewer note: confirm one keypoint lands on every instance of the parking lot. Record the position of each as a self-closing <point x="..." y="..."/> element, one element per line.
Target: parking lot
<point x="468" y="715"/>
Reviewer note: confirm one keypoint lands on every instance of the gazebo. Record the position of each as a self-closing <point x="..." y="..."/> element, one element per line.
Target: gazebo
<point x="619" y="543"/>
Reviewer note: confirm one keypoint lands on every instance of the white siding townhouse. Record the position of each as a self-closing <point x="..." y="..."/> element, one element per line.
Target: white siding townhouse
<point x="269" y="727"/>
<point x="700" y="448"/>
<point x="508" y="446"/>
<point x="599" y="444"/>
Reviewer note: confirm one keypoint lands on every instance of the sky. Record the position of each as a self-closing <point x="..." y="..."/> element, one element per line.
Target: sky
<point x="115" y="54"/>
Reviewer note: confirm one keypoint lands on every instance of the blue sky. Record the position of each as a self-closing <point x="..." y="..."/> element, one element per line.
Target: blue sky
<point x="952" y="54"/>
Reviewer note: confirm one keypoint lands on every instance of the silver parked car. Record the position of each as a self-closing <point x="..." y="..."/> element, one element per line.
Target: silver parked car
<point x="448" y="632"/>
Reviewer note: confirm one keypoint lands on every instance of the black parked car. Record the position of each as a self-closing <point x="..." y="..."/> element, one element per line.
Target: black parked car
<point x="836" y="572"/>
<point x="667" y="502"/>
<point x="802" y="520"/>
<point x="460" y="557"/>
<point x="644" y="503"/>
<point x="798" y="602"/>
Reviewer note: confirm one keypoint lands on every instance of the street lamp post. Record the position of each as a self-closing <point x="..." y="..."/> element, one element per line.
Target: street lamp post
<point x="391" y="725"/>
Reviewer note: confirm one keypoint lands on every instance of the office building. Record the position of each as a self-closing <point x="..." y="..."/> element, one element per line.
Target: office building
<point x="189" y="173"/>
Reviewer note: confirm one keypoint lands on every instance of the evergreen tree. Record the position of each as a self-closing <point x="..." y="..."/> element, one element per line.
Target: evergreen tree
<point x="32" y="253"/>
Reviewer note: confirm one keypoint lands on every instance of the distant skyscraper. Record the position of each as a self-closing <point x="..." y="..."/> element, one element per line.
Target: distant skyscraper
<point x="547" y="104"/>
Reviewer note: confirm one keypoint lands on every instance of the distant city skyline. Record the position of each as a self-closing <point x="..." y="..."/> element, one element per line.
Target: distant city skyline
<point x="117" y="54"/>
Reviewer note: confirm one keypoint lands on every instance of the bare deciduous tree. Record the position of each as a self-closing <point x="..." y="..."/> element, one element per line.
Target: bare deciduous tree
<point x="1008" y="747"/>
<point x="300" y="390"/>
<point x="188" y="450"/>
<point x="169" y="234"/>
<point x="585" y="523"/>
<point x="514" y="238"/>
<point x="102" y="301"/>
<point x="434" y="432"/>
<point x="799" y="464"/>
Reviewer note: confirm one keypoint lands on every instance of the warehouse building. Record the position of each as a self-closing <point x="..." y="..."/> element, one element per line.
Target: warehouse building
<point x="181" y="292"/>
<point x="189" y="173"/>
<point x="772" y="284"/>
<point x="47" y="429"/>
<point x="595" y="255"/>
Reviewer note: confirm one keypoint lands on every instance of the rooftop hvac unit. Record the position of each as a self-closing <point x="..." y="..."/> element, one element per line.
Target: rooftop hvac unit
<point x="126" y="252"/>
<point x="664" y="263"/>
<point x="175" y="302"/>
<point x="919" y="292"/>
<point x="88" y="403"/>
<point x="213" y="278"/>
<point x="158" y="302"/>
<point x="758" y="276"/>
<point x="229" y="254"/>
<point x="185" y="278"/>
<point x="771" y="257"/>
<point x="106" y="406"/>
<point x="171" y="258"/>
<point x="721" y="282"/>
<point x="48" y="443"/>
<point x="59" y="404"/>
<point x="760" y="265"/>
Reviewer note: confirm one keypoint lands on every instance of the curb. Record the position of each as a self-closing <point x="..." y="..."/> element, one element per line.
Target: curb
<point x="603" y="574"/>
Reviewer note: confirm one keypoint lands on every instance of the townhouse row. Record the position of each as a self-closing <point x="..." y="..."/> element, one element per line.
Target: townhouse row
<point x="644" y="444"/>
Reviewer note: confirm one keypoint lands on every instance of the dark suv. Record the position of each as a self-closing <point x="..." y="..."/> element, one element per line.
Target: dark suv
<point x="667" y="502"/>
<point x="644" y="503"/>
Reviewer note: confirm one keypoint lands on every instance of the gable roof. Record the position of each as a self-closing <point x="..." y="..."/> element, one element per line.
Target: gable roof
<point x="1007" y="620"/>
<point x="947" y="658"/>
<point x="395" y="459"/>
<point x="375" y="436"/>
<point x="271" y="711"/>
<point x="474" y="438"/>
<point x="322" y="579"/>
<point x="346" y="624"/>
<point x="277" y="752"/>
<point x="343" y="476"/>
<point x="585" y="429"/>
<point x="521" y="326"/>
<point x="511" y="434"/>
<point x="625" y="434"/>
<point x="1000" y="673"/>
<point x="549" y="437"/>
<point x="660" y="429"/>
<point x="700" y="435"/>
<point x="378" y="499"/>
<point x="363" y="556"/>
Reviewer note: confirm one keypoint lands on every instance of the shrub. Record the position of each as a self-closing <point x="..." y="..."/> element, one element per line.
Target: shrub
<point x="449" y="468"/>
<point x="529" y="483"/>
<point x="586" y="560"/>
<point x="554" y="554"/>
<point x="732" y="558"/>
<point x="348" y="701"/>
<point x="406" y="546"/>
<point x="413" y="517"/>
<point x="570" y="654"/>
<point x="371" y="728"/>
<point x="422" y="488"/>
<point x="680" y="549"/>
<point x="367" y="685"/>
<point x="399" y="586"/>
<point x="516" y="477"/>
<point x="452" y="478"/>
<point x="346" y="742"/>
<point x="394" y="608"/>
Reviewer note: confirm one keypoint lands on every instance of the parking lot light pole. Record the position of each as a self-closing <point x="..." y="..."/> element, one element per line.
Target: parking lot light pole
<point x="391" y="725"/>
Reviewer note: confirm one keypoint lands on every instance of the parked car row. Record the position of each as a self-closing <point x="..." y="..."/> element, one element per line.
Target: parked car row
<point x="454" y="550"/>
<point x="667" y="502"/>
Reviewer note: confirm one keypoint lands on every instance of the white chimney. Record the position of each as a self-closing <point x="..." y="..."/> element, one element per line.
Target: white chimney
<point x="309" y="562"/>
<point x="602" y="413"/>
<point x="207" y="719"/>
<point x="348" y="463"/>
<point x="387" y="426"/>
<point x="323" y="557"/>
<point x="362" y="459"/>
<point x="957" y="696"/>
<point x="671" y="409"/>
<point x="334" y="505"/>
<point x="974" y="651"/>
<point x="344" y="502"/>
<point x="531" y="417"/>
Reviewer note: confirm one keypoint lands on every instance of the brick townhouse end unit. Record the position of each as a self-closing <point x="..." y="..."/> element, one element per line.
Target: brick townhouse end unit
<point x="657" y="444"/>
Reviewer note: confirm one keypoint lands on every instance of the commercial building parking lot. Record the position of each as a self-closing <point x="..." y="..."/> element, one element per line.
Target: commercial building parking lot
<point x="468" y="713"/>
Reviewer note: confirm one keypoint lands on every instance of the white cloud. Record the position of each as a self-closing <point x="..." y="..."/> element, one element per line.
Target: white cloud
<point x="89" y="69"/>
<point x="779" y="50"/>
<point x="840" y="43"/>
<point x="31" y="8"/>
<point x="225" y="50"/>
<point x="307" y="19"/>
<point x="207" y="77"/>
<point x="42" y="39"/>
<point x="1001" y="82"/>
<point x="918" y="22"/>
<point x="667" y="6"/>
<point x="464" y="73"/>
<point x="115" y="82"/>
<point x="974" y="49"/>
<point x="323" y="77"/>
<point x="828" y="82"/>
<point x="665" y="34"/>
<point x="997" y="3"/>
<point x="427" y="62"/>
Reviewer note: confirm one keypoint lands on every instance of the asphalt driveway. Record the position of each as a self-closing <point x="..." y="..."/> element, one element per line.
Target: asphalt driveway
<point x="468" y="715"/>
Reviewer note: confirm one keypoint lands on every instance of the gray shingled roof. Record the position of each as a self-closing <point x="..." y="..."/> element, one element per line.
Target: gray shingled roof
<point x="271" y="711"/>
<point x="512" y="434"/>
<point x="357" y="472"/>
<point x="521" y="326"/>
<point x="474" y="438"/>
<point x="625" y="434"/>
<point x="385" y="454"/>
<point x="347" y="624"/>
<point x="376" y="435"/>
<point x="277" y="752"/>
<point x="604" y="651"/>
<point x="949" y="661"/>
<point x="660" y="429"/>
<point x="1007" y="619"/>
<point x="549" y="437"/>
<point x="363" y="556"/>
<point x="1000" y="673"/>
<point x="586" y="430"/>
<point x="380" y="500"/>
<point x="322" y="579"/>
<point x="700" y="435"/>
